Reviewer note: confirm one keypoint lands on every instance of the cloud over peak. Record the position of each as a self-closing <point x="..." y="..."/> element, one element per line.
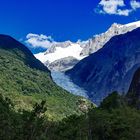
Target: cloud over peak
<point x="36" y="41"/>
<point x="39" y="41"/>
<point x="116" y="7"/>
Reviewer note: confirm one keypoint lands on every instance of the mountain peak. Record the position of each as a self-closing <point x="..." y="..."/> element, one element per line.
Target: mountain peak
<point x="136" y="24"/>
<point x="132" y="25"/>
<point x="115" y="25"/>
<point x="81" y="49"/>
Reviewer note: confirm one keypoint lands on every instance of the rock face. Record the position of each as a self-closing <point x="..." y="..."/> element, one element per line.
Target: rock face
<point x="135" y="84"/>
<point x="62" y="64"/>
<point x="111" y="68"/>
<point x="61" y="56"/>
<point x="96" y="43"/>
<point x="55" y="45"/>
<point x="61" y="51"/>
<point x="133" y="94"/>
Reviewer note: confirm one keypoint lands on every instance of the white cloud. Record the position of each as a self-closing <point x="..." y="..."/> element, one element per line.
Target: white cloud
<point x="135" y="4"/>
<point x="45" y="42"/>
<point x="125" y="12"/>
<point x="111" y="6"/>
<point x="116" y="7"/>
<point x="39" y="41"/>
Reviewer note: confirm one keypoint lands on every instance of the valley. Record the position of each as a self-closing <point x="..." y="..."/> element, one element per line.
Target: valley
<point x="62" y="80"/>
<point x="96" y="62"/>
<point x="52" y="89"/>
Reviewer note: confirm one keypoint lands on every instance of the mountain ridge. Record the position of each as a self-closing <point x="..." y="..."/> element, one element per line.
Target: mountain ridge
<point x="110" y="67"/>
<point x="9" y="43"/>
<point x="81" y="49"/>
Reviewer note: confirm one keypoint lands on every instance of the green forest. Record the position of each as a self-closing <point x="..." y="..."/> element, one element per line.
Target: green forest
<point x="114" y="119"/>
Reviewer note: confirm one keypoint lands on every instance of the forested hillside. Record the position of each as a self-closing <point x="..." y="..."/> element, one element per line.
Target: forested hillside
<point x="26" y="81"/>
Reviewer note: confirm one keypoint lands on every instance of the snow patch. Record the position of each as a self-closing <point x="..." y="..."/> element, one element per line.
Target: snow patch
<point x="137" y="24"/>
<point x="72" y="50"/>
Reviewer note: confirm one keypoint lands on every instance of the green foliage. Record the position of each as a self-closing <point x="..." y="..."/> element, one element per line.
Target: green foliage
<point x="119" y="123"/>
<point x="26" y="85"/>
<point x="9" y="120"/>
<point x="34" y="121"/>
<point x="23" y="125"/>
<point x="114" y="100"/>
<point x="133" y="99"/>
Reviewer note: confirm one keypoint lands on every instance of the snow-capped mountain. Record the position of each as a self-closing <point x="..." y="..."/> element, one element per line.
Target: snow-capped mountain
<point x="55" y="56"/>
<point x="61" y="51"/>
<point x="96" y="43"/>
<point x="111" y="68"/>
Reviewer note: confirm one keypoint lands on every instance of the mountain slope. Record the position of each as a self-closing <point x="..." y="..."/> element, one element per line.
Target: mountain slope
<point x="61" y="51"/>
<point x="133" y="94"/>
<point x="97" y="42"/>
<point x="26" y="81"/>
<point x="108" y="69"/>
<point x="62" y="64"/>
<point x="13" y="46"/>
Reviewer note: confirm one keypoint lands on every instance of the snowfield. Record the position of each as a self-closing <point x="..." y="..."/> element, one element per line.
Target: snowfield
<point x="72" y="50"/>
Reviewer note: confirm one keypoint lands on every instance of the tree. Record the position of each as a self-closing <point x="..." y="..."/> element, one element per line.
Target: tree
<point x="35" y="121"/>
<point x="114" y="100"/>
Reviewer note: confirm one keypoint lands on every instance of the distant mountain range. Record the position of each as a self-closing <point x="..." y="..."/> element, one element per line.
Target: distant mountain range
<point x="61" y="56"/>
<point x="64" y="55"/>
<point x="111" y="68"/>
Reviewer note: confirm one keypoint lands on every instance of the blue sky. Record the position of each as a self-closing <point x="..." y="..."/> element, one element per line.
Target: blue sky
<point x="64" y="19"/>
